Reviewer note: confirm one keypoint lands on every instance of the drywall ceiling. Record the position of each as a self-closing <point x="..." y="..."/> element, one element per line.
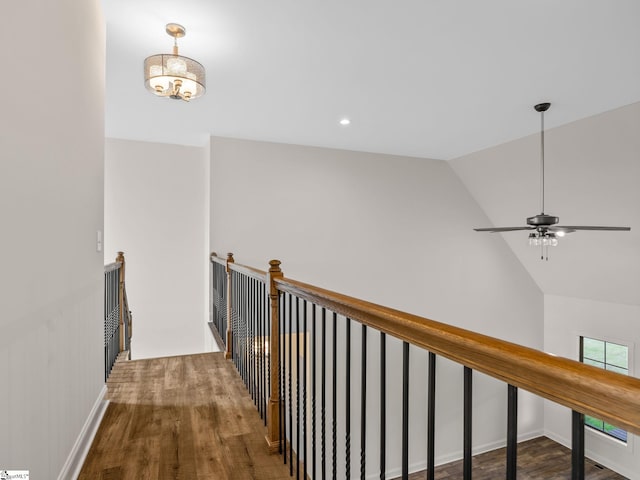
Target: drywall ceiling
<point x="428" y="78"/>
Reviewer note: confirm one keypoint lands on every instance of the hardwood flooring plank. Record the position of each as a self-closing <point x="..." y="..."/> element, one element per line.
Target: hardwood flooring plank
<point x="186" y="417"/>
<point x="538" y="459"/>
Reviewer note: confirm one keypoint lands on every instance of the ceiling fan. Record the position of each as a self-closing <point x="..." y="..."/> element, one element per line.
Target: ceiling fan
<point x="545" y="230"/>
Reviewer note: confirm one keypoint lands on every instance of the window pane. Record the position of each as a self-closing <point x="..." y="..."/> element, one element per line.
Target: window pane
<point x="613" y="368"/>
<point x="617" y="355"/>
<point x="615" y="432"/>
<point x="594" y="423"/>
<point x="593" y="349"/>
<point x="588" y="361"/>
<point x="612" y="357"/>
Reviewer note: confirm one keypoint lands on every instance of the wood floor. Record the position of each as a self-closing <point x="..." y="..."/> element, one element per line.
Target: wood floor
<point x="191" y="418"/>
<point x="186" y="418"/>
<point x="538" y="459"/>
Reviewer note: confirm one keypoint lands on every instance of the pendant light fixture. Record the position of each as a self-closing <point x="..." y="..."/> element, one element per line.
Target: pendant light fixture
<point x="172" y="75"/>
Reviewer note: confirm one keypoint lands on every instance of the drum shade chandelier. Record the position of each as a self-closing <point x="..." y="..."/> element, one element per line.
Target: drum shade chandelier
<point x="172" y="75"/>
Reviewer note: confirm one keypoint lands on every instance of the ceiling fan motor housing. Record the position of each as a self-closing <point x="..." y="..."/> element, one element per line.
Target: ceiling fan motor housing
<point x="542" y="220"/>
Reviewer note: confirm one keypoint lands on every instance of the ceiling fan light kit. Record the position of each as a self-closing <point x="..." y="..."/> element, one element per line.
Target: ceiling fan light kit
<point x="544" y="229"/>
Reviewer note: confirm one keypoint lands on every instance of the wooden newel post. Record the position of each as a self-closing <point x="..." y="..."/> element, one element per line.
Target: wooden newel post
<point x="120" y="259"/>
<point x="273" y="414"/>
<point x="229" y="351"/>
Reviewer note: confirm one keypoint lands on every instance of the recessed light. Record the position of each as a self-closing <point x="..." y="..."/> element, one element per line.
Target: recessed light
<point x="345" y="121"/>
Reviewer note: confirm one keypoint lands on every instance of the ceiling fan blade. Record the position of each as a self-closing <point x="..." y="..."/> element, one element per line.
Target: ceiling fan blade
<point x="611" y="229"/>
<point x="502" y="229"/>
<point x="561" y="231"/>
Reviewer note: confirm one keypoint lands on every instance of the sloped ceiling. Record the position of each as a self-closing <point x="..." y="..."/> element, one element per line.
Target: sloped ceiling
<point x="436" y="79"/>
<point x="427" y="78"/>
<point x="592" y="178"/>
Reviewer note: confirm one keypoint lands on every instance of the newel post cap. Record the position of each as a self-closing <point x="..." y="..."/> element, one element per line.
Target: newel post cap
<point x="274" y="266"/>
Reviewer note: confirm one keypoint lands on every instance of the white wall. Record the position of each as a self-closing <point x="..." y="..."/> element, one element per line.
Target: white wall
<point x="566" y="319"/>
<point x="156" y="208"/>
<point x="393" y="230"/>
<point x="51" y="187"/>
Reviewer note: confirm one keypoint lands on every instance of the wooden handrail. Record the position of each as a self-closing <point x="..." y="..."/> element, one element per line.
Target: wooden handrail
<point x="111" y="267"/>
<point x="260" y="275"/>
<point x="607" y="395"/>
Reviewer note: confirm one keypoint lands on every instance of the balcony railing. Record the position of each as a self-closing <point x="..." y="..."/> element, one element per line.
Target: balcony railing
<point x="297" y="348"/>
<point x="117" y="316"/>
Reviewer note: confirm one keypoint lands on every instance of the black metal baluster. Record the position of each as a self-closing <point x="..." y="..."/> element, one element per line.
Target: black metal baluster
<point x="215" y="280"/>
<point x="225" y="320"/>
<point x="235" y="314"/>
<point x="268" y="352"/>
<point x="334" y="420"/>
<point x="304" y="387"/>
<point x="259" y="346"/>
<point x="250" y="336"/>
<point x="247" y="335"/>
<point x="241" y="335"/>
<point x="223" y="303"/>
<point x="383" y="405"/>
<point x="233" y="319"/>
<point x="297" y="388"/>
<point x="577" y="445"/>
<point x="512" y="432"/>
<point x="254" y="338"/>
<point x="468" y="405"/>
<point x="245" y="331"/>
<point x="363" y="405"/>
<point x="219" y="304"/>
<point x="313" y="390"/>
<point x="237" y="335"/>
<point x="255" y="345"/>
<point x="290" y="395"/>
<point x="431" y="416"/>
<point x="243" y="321"/>
<point x="323" y="395"/>
<point x="405" y="410"/>
<point x="263" y="350"/>
<point x="347" y="420"/>
<point x="282" y="437"/>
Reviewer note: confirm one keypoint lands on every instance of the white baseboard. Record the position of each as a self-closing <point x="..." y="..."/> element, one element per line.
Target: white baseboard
<point x="75" y="460"/>
<point x="453" y="456"/>
<point x="596" y="456"/>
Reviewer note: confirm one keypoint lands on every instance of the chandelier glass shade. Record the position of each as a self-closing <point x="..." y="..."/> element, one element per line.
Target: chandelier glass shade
<point x="172" y="75"/>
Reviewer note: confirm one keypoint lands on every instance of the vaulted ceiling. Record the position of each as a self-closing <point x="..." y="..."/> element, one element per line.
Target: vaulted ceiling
<point x="436" y="78"/>
<point x="441" y="79"/>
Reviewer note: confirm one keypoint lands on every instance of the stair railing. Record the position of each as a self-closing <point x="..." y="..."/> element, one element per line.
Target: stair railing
<point x="284" y="337"/>
<point x="117" y="316"/>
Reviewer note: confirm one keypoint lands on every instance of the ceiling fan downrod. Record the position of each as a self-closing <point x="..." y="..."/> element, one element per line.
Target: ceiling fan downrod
<point x="541" y="108"/>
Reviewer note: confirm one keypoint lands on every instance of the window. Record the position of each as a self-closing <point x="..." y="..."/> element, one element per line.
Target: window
<point x="609" y="356"/>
